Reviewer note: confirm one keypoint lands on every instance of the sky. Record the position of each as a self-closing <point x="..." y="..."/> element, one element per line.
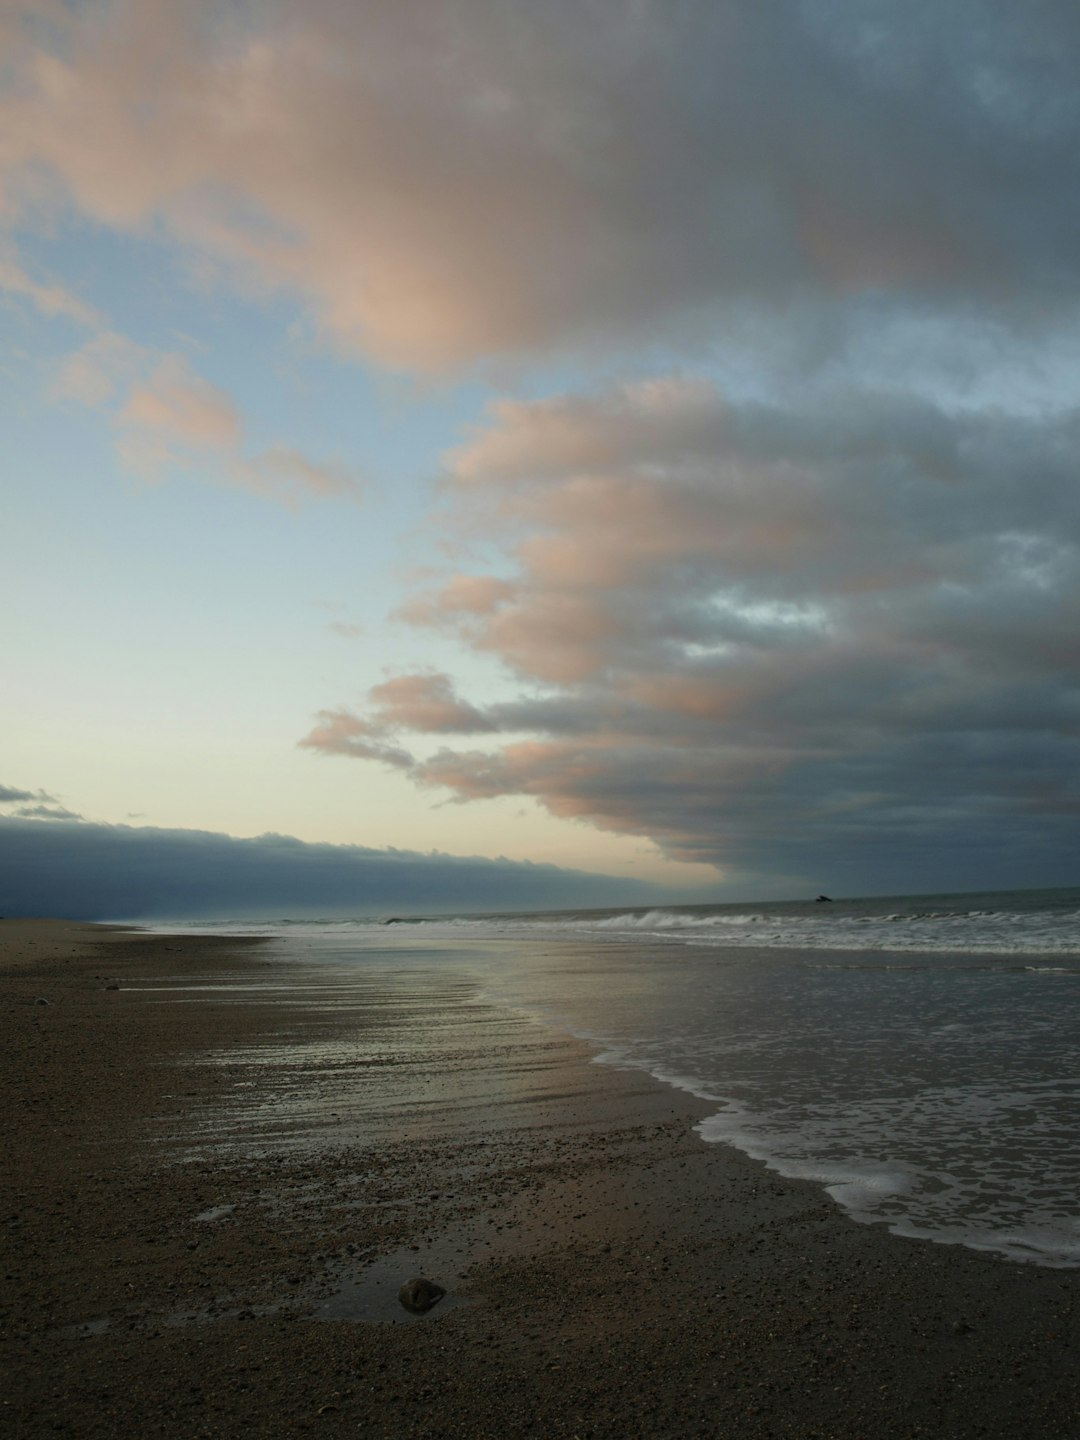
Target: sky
<point x="633" y="438"/>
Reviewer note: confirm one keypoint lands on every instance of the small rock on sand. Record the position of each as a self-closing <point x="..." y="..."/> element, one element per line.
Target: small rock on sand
<point x="419" y="1295"/>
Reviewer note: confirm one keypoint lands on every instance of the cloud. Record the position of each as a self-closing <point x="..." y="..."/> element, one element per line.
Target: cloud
<point x="764" y="636"/>
<point x="441" y="184"/>
<point x="47" y="296"/>
<point x="113" y="872"/>
<point x="11" y="795"/>
<point x="35" y="804"/>
<point x="285" y="473"/>
<point x="181" y="407"/>
<point x="167" y="417"/>
<point x="338" y="732"/>
<point x="106" y="364"/>
<point x="841" y="625"/>
<point x="426" y="702"/>
<point x="46" y="812"/>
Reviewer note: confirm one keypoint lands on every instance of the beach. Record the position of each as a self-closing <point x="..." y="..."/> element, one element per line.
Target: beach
<point x="218" y="1170"/>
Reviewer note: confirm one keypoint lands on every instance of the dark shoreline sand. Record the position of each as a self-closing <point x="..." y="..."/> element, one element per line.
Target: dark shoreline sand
<point x="196" y="1180"/>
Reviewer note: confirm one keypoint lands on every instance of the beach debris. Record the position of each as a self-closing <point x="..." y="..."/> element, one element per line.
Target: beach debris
<point x="420" y="1294"/>
<point x="42" y="1001"/>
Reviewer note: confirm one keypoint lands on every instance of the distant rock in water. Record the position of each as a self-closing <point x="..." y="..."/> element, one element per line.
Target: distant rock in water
<point x="419" y="1295"/>
<point x="820" y="898"/>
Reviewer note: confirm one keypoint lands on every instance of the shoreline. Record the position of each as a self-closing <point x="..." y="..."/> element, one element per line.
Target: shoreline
<point x="211" y="1187"/>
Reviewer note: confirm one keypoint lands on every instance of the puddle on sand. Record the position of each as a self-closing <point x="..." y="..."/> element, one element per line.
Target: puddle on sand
<point x="372" y="1295"/>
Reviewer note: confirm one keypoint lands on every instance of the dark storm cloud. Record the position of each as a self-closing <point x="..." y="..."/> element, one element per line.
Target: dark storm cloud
<point x="89" y="871"/>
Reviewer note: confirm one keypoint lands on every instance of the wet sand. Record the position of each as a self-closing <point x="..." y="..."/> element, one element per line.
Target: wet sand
<point x="217" y="1169"/>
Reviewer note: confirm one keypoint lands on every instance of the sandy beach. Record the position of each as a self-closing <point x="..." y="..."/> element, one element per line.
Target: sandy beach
<point x="217" y="1172"/>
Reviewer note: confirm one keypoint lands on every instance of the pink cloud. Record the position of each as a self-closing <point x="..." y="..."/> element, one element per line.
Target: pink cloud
<point x="426" y="703"/>
<point x="284" y="473"/>
<point x="446" y="184"/>
<point x="337" y="732"/>
<point x="551" y="636"/>
<point x="167" y="416"/>
<point x="99" y="369"/>
<point x="681" y="489"/>
<point x="734" y="623"/>
<point x="181" y="407"/>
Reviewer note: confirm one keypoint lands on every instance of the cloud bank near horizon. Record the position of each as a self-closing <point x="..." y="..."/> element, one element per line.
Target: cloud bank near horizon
<point x="86" y="871"/>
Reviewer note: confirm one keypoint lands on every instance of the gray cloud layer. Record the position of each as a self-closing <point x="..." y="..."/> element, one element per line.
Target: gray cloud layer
<point x="116" y="872"/>
<point x="836" y="640"/>
<point x="446" y="182"/>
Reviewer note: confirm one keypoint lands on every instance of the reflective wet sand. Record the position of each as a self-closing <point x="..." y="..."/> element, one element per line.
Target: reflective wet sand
<point x="219" y="1169"/>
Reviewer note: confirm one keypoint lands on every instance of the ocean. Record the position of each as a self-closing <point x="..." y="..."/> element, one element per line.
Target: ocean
<point x="917" y="1056"/>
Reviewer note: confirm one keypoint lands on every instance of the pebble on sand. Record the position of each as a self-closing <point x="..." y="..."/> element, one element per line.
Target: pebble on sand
<point x="419" y="1295"/>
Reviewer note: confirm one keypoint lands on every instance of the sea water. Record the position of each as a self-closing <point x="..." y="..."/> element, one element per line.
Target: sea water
<point x="918" y="1057"/>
